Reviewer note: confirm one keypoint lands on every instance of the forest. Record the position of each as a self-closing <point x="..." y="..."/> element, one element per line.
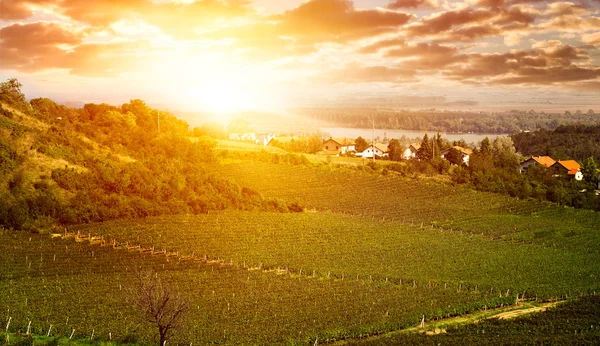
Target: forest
<point x="508" y="122"/>
<point x="572" y="142"/>
<point x="60" y="165"/>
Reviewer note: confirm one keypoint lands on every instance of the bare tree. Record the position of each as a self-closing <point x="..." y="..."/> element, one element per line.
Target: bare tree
<point x="159" y="302"/>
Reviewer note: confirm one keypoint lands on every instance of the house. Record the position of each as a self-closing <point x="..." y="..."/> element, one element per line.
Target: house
<point x="465" y="153"/>
<point x="379" y="150"/>
<point x="568" y="168"/>
<point x="545" y="161"/>
<point x="263" y="138"/>
<point x="337" y="146"/>
<point x="411" y="151"/>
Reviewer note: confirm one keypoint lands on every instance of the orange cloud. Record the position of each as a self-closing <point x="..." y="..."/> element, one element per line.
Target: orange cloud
<point x="334" y="20"/>
<point x="412" y="4"/>
<point x="40" y="46"/>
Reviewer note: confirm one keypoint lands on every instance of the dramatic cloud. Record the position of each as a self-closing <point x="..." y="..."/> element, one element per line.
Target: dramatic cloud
<point x="475" y="42"/>
<point x="39" y="46"/>
<point x="413" y="4"/>
<point x="550" y="64"/>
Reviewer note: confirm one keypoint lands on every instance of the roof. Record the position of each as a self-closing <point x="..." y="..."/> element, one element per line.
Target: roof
<point x="462" y="150"/>
<point x="284" y="139"/>
<point x="382" y="147"/>
<point x="543" y="160"/>
<point x="417" y="146"/>
<point x="570" y="165"/>
<point x="345" y="141"/>
<point x="342" y="141"/>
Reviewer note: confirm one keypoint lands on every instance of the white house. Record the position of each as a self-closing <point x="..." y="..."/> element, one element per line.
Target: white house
<point x="465" y="153"/>
<point x="411" y="151"/>
<point x="545" y="161"/>
<point x="379" y="150"/>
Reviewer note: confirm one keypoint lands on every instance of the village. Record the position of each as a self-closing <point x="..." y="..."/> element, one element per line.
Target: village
<point x="361" y="148"/>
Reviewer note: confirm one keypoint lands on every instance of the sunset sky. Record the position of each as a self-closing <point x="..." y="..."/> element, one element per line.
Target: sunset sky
<point x="226" y="55"/>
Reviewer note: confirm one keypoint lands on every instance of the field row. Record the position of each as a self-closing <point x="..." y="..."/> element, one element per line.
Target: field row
<point x="414" y="201"/>
<point x="340" y="245"/>
<point x="229" y="304"/>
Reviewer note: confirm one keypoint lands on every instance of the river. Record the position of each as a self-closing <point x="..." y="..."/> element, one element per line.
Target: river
<point x="341" y="132"/>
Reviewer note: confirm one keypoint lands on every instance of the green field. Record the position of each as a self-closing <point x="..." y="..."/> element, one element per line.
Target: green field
<point x="415" y="201"/>
<point x="82" y="287"/>
<point x="371" y="254"/>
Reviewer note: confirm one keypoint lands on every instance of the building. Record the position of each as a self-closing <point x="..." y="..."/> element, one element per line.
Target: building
<point x="379" y="150"/>
<point x="545" y="161"/>
<point x="337" y="146"/>
<point x="465" y="153"/>
<point x="411" y="151"/>
<point x="568" y="168"/>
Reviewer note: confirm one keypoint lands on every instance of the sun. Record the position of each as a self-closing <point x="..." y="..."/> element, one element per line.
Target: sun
<point x="222" y="99"/>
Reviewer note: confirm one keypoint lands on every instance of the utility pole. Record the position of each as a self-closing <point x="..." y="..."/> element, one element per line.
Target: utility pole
<point x="373" y="137"/>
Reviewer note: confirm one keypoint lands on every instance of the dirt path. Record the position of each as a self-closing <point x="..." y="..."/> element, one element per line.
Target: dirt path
<point x="504" y="313"/>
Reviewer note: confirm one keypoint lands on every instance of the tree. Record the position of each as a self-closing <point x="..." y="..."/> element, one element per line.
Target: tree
<point x="425" y="152"/>
<point x="589" y="169"/>
<point x="10" y="91"/>
<point x="159" y="303"/>
<point x="486" y="147"/>
<point x="454" y="156"/>
<point x="504" y="153"/>
<point x="395" y="150"/>
<point x="361" y="144"/>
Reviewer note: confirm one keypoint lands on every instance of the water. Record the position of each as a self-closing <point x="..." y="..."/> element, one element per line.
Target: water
<point x="341" y="132"/>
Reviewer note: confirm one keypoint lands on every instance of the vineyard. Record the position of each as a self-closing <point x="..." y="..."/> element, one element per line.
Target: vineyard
<point x="342" y="246"/>
<point x="370" y="255"/>
<point x="60" y="287"/>
<point x="414" y="201"/>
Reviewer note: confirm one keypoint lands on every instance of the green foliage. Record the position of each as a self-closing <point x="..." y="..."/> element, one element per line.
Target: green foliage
<point x="9" y="159"/>
<point x="590" y="172"/>
<point x="361" y="144"/>
<point x="425" y="152"/>
<point x="454" y="156"/>
<point x="509" y="122"/>
<point x="575" y="142"/>
<point x="395" y="150"/>
<point x="10" y="92"/>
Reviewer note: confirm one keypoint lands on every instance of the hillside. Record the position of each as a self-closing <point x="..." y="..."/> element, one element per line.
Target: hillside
<point x="61" y="165"/>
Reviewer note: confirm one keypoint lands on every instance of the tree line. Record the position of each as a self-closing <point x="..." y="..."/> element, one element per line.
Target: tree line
<point x="508" y="122"/>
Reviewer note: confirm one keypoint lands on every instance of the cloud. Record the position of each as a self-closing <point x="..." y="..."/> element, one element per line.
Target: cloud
<point x="356" y="73"/>
<point x="39" y="46"/>
<point x="593" y="38"/>
<point x="552" y="63"/>
<point x="327" y="20"/>
<point x="413" y="4"/>
<point x="444" y="21"/>
<point x="20" y="9"/>
<point x="173" y="17"/>
<point x="300" y="30"/>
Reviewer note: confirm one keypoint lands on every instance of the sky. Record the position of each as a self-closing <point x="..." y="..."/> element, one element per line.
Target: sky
<point x="229" y="55"/>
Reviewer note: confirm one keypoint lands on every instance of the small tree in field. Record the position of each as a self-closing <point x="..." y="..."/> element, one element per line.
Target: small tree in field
<point x="159" y="303"/>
